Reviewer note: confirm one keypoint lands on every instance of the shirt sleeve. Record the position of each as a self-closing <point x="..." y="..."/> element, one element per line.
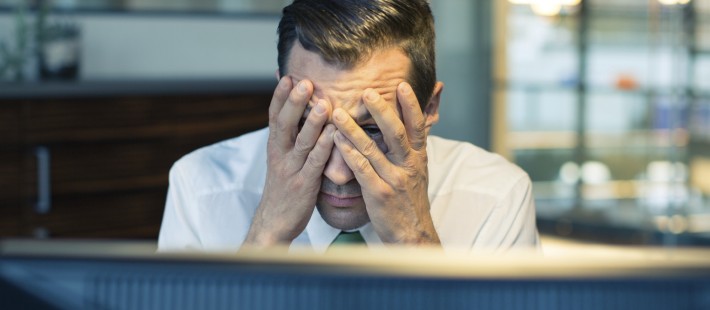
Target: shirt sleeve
<point x="179" y="229"/>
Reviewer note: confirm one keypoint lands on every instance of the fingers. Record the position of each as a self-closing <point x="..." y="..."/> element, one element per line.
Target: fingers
<point x="387" y="119"/>
<point x="360" y="165"/>
<point x="361" y="142"/>
<point x="411" y="115"/>
<point x="286" y="125"/>
<point x="277" y="101"/>
<point x="311" y="131"/>
<point x="316" y="160"/>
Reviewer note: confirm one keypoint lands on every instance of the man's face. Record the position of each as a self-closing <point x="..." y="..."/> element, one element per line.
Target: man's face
<point x="340" y="200"/>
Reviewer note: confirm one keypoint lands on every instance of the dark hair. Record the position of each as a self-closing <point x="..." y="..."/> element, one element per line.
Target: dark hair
<point x="346" y="32"/>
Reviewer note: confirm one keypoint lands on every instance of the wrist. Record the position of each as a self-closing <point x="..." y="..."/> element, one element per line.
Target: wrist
<point x="422" y="234"/>
<point x="262" y="235"/>
<point x="425" y="233"/>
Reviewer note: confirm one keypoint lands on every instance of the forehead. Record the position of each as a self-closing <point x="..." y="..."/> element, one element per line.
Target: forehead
<point x="383" y="72"/>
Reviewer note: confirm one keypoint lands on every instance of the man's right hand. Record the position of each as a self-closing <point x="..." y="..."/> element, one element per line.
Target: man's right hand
<point x="295" y="163"/>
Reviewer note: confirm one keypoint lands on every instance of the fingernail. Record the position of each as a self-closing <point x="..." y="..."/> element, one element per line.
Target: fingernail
<point x="372" y="95"/>
<point x="320" y="107"/>
<point x="405" y="88"/>
<point x="302" y="87"/>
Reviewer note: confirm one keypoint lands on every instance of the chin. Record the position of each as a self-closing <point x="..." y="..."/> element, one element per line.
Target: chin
<point x="343" y="218"/>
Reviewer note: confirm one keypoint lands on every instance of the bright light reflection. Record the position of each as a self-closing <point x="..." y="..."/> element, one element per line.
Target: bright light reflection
<point x="558" y="2"/>
<point x="551" y="7"/>
<point x="673" y="2"/>
<point x="545" y="8"/>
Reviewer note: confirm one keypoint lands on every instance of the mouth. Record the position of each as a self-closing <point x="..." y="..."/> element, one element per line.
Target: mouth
<point x="341" y="201"/>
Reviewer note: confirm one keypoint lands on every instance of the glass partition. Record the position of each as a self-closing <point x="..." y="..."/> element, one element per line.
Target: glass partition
<point x="607" y="109"/>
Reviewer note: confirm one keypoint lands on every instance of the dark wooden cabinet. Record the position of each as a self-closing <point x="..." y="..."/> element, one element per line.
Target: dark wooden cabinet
<point x="10" y="197"/>
<point x="107" y="157"/>
<point x="10" y="170"/>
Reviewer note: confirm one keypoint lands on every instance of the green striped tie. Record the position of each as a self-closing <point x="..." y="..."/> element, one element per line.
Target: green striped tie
<point x="348" y="238"/>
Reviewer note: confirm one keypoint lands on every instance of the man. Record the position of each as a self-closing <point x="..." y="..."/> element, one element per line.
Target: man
<point x="348" y="149"/>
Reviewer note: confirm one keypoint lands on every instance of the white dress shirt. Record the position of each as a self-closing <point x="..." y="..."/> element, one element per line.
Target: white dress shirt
<point x="478" y="199"/>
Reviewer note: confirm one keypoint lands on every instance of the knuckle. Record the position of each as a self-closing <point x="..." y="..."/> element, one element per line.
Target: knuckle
<point x="370" y="148"/>
<point x="381" y="108"/>
<point x="414" y="173"/>
<point x="280" y="124"/>
<point x="418" y="138"/>
<point x="301" y="147"/>
<point x="384" y="193"/>
<point x="400" y="135"/>
<point x="361" y="164"/>
<point x="399" y="181"/>
<point x="317" y="158"/>
<point x="314" y="162"/>
<point x="313" y="120"/>
<point x="420" y="129"/>
<point x="420" y="125"/>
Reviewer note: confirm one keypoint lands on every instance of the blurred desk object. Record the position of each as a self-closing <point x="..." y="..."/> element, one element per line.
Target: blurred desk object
<point x="90" y="159"/>
<point x="623" y="221"/>
<point x="120" y="275"/>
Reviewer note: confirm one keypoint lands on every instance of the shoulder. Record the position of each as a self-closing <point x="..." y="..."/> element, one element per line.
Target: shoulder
<point x="213" y="190"/>
<point x="478" y="198"/>
<point x="237" y="160"/>
<point x="457" y="165"/>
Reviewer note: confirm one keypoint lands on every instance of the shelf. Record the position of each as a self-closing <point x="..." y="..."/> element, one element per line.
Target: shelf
<point x="131" y="87"/>
<point x="702" y="94"/>
<point x="536" y="140"/>
<point x="639" y="38"/>
<point x="612" y="190"/>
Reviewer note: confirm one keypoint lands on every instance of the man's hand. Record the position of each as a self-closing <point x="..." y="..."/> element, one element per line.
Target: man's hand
<point x="394" y="185"/>
<point x="295" y="162"/>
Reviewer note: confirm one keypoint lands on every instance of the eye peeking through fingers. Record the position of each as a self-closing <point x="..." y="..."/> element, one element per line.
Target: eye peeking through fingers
<point x="373" y="131"/>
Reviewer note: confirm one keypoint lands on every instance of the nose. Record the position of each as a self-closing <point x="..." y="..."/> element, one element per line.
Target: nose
<point x="337" y="170"/>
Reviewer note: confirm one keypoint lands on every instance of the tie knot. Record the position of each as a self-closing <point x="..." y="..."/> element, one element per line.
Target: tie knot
<point x="349" y="238"/>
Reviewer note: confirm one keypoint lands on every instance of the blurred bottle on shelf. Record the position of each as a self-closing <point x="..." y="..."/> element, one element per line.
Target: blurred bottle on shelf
<point x="59" y="52"/>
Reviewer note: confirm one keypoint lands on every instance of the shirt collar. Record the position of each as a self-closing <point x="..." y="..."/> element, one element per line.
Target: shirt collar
<point x="321" y="235"/>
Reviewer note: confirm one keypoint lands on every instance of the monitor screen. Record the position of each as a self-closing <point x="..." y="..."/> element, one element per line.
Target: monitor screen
<point x="129" y="275"/>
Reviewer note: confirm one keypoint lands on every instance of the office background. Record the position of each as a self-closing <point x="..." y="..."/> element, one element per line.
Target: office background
<point x="604" y="103"/>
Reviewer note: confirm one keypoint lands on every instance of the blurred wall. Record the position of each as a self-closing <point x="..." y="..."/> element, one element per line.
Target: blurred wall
<point x="464" y="65"/>
<point x="125" y="46"/>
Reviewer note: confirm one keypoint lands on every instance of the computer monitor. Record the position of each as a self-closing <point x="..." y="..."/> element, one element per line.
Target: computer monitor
<point x="129" y="275"/>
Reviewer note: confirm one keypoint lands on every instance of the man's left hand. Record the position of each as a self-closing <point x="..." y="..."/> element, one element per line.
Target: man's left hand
<point x="394" y="184"/>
